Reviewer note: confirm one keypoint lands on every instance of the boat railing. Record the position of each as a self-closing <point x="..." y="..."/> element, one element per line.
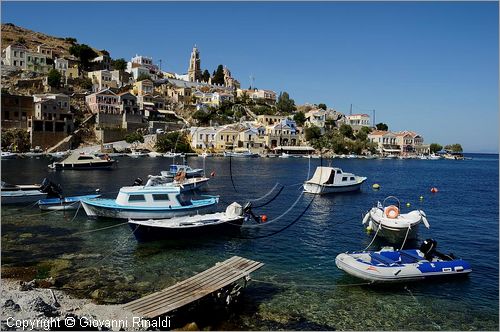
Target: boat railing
<point x="394" y="198"/>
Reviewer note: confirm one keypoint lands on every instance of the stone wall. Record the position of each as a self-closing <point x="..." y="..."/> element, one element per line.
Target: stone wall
<point x="46" y="139"/>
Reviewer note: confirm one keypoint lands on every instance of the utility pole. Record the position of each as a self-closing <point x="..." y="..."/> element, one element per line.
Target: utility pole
<point x="160" y="64"/>
<point x="350" y="111"/>
<point x="373" y="124"/>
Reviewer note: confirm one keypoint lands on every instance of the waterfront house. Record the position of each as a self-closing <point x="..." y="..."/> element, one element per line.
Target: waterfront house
<point x="283" y="133"/>
<point x="203" y="138"/>
<point x="128" y="103"/>
<point x="104" y="101"/>
<point x="16" y="110"/>
<point x="226" y="138"/>
<point x="143" y="87"/>
<point x="316" y="117"/>
<point x="386" y="141"/>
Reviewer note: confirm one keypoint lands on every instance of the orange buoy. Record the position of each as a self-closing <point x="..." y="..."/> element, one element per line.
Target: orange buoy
<point x="434" y="190"/>
<point x="212" y="174"/>
<point x="263" y="218"/>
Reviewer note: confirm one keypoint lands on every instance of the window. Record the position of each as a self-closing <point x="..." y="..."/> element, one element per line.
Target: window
<point x="136" y="198"/>
<point x="352" y="178"/>
<point x="344" y="178"/>
<point x="20" y="63"/>
<point x="160" y="197"/>
<point x="16" y="114"/>
<point x="6" y="115"/>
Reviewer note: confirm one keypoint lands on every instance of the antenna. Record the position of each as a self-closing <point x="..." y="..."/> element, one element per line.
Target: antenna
<point x="350" y="111"/>
<point x="160" y="64"/>
<point x="373" y="124"/>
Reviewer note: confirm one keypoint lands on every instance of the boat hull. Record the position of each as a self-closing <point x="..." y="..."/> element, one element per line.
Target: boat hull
<point x="142" y="214"/>
<point x="317" y="189"/>
<point x="22" y="197"/>
<point x="144" y="233"/>
<point x="393" y="234"/>
<point x="62" y="204"/>
<point x="105" y="164"/>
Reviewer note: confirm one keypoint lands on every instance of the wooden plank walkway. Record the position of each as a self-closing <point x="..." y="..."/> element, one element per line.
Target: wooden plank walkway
<point x="194" y="288"/>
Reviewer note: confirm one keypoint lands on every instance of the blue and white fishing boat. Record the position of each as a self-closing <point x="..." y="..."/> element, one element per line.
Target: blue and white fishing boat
<point x="147" y="202"/>
<point x="178" y="169"/>
<point x="388" y="265"/>
<point x="22" y="193"/>
<point x="63" y="203"/>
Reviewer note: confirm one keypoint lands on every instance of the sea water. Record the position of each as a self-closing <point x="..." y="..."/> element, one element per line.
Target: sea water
<point x="299" y="286"/>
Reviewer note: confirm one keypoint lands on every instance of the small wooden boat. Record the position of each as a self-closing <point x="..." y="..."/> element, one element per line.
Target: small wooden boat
<point x="182" y="227"/>
<point x="392" y="225"/>
<point x="327" y="180"/>
<point x="388" y="265"/>
<point x="82" y="161"/>
<point x="64" y="203"/>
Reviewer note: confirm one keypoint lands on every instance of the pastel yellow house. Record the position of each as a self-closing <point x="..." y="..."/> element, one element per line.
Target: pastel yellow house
<point x="143" y="87"/>
<point x="226" y="138"/>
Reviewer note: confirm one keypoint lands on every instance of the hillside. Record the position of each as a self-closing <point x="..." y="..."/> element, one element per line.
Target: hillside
<point x="12" y="33"/>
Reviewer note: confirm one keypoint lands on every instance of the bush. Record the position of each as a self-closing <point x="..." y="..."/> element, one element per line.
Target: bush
<point x="134" y="137"/>
<point x="54" y="78"/>
<point x="17" y="139"/>
<point x="312" y="133"/>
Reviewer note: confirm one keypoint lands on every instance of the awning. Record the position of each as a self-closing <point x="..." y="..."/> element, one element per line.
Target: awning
<point x="392" y="150"/>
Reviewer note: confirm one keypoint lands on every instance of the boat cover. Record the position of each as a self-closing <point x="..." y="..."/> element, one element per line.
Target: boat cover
<point x="322" y="175"/>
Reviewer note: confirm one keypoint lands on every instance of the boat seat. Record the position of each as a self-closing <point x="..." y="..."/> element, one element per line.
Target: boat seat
<point x="375" y="257"/>
<point x="410" y="257"/>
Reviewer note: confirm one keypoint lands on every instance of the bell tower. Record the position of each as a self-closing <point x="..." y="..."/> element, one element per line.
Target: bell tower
<point x="194" y="71"/>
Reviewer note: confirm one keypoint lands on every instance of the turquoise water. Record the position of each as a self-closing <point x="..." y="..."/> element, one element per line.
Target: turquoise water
<point x="299" y="286"/>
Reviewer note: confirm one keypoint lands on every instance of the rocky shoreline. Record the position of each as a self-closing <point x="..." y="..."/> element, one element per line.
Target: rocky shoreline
<point x="25" y="307"/>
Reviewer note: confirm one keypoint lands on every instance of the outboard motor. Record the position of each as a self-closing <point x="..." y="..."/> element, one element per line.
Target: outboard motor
<point x="51" y="189"/>
<point x="247" y="210"/>
<point x="428" y="248"/>
<point x="137" y="182"/>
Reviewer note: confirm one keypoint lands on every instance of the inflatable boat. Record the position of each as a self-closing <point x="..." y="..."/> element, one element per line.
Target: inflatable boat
<point x="388" y="265"/>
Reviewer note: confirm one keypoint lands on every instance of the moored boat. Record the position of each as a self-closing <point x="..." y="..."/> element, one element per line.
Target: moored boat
<point x="182" y="227"/>
<point x="78" y="161"/>
<point x="185" y="184"/>
<point x="178" y="169"/>
<point x="240" y="153"/>
<point x="388" y="222"/>
<point x="8" y="155"/>
<point x="147" y="202"/>
<point x="63" y="203"/>
<point x="328" y="180"/>
<point x="388" y="265"/>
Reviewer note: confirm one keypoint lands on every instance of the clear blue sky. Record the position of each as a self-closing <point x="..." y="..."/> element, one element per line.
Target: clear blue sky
<point x="428" y="67"/>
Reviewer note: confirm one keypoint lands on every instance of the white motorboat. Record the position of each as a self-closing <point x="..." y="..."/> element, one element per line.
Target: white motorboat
<point x="81" y="161"/>
<point x="176" y="169"/>
<point x="182" y="227"/>
<point x="173" y="154"/>
<point x="390" y="156"/>
<point x="328" y="180"/>
<point x="434" y="157"/>
<point x="23" y="193"/>
<point x="8" y="155"/>
<point x="137" y="154"/>
<point x="185" y="184"/>
<point x="205" y="154"/>
<point x="240" y="153"/>
<point x="154" y="154"/>
<point x="147" y="202"/>
<point x="284" y="155"/>
<point x="388" y="221"/>
<point x="59" y="154"/>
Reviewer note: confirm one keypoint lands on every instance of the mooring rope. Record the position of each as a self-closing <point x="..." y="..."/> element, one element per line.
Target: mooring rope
<point x="374" y="236"/>
<point x="422" y="308"/>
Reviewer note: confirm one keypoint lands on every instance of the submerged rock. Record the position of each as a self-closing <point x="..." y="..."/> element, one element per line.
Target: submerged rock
<point x="10" y="304"/>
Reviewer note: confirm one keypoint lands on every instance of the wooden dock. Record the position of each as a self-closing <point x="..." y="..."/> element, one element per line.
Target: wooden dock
<point x="221" y="275"/>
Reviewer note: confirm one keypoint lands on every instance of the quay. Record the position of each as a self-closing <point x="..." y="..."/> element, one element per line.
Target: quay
<point x="215" y="279"/>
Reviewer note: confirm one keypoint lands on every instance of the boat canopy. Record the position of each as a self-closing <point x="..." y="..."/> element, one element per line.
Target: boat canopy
<point x="323" y="175"/>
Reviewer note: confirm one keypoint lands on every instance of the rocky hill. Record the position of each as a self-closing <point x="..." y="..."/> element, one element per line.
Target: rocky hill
<point x="12" y="34"/>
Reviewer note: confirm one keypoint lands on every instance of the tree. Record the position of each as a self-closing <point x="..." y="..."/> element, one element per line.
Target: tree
<point x="202" y="117"/>
<point x="17" y="139"/>
<point x="84" y="53"/>
<point x="54" y="78"/>
<point x="70" y="40"/>
<point x="299" y="118"/>
<point x="142" y="77"/>
<point x="382" y="126"/>
<point x="21" y="40"/>
<point x="205" y="77"/>
<point x="174" y="141"/>
<point x="134" y="137"/>
<point x="361" y="136"/>
<point x="453" y="147"/>
<point x="218" y="77"/>
<point x="312" y="133"/>
<point x="285" y="104"/>
<point x="322" y="106"/>
<point x="346" y="131"/>
<point x="119" y="64"/>
<point x="104" y="52"/>
<point x="435" y="147"/>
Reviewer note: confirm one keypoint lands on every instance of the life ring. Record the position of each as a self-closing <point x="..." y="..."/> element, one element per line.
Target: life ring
<point x="180" y="176"/>
<point x="391" y="212"/>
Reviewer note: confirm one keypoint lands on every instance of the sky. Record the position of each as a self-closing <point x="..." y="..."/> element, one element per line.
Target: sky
<point x="430" y="67"/>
